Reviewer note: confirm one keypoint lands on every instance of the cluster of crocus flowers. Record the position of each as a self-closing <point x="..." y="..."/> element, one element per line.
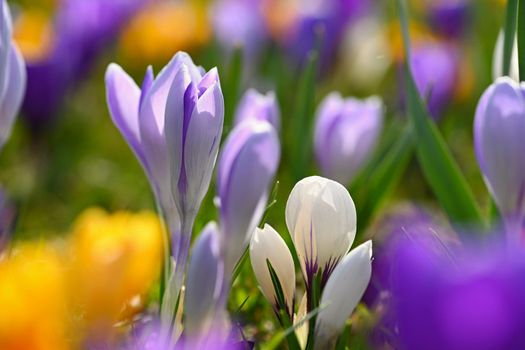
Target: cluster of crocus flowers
<point x="72" y="293"/>
<point x="12" y="76"/>
<point x="321" y="219"/>
<point x="173" y="124"/>
<point x="346" y="133"/>
<point x="499" y="126"/>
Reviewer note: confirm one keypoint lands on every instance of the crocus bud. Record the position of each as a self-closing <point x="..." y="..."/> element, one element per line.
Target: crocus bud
<point x="321" y="217"/>
<point x="12" y="76"/>
<point x="173" y="124"/>
<point x="346" y="133"/>
<point x="247" y="167"/>
<point x="499" y="126"/>
<point x="342" y="293"/>
<point x="497" y="59"/>
<point x="254" y="105"/>
<point x="267" y="245"/>
<point x="204" y="281"/>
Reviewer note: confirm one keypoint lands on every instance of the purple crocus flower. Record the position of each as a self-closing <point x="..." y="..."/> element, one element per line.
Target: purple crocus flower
<point x="239" y="23"/>
<point x="499" y="126"/>
<point x="435" y="68"/>
<point x="254" y="105"/>
<point x="332" y="17"/>
<point x="82" y="29"/>
<point x="173" y="125"/>
<point x="346" y="133"/>
<point x="449" y="17"/>
<point x="468" y="299"/>
<point x="204" y="282"/>
<point x="12" y="76"/>
<point x="247" y="166"/>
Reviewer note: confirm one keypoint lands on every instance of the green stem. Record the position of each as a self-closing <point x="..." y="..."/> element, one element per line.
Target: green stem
<point x="521" y="39"/>
<point x="510" y="32"/>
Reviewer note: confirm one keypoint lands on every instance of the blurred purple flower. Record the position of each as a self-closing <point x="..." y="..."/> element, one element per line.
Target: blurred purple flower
<point x="254" y="105"/>
<point x="82" y="29"/>
<point x="435" y="70"/>
<point x="331" y="17"/>
<point x="470" y="299"/>
<point x="247" y="166"/>
<point x="174" y="126"/>
<point x="346" y="133"/>
<point x="12" y="76"/>
<point x="449" y="17"/>
<point x="499" y="127"/>
<point x="239" y="23"/>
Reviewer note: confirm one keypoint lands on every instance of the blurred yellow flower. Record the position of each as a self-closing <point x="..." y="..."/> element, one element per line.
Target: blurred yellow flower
<point x="164" y="28"/>
<point x="33" y="300"/>
<point x="34" y="34"/>
<point x="114" y="257"/>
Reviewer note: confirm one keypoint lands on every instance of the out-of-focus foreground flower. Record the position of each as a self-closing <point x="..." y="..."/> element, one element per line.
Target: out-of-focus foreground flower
<point x="459" y="299"/>
<point x="70" y="294"/>
<point x="12" y="76"/>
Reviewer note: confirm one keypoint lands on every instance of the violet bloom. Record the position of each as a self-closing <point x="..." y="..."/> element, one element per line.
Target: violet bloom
<point x="449" y="17"/>
<point x="332" y="17"/>
<point x="247" y="166"/>
<point x="254" y="105"/>
<point x="173" y="125"/>
<point x="12" y="76"/>
<point x="239" y="23"/>
<point x="472" y="299"/>
<point x="499" y="126"/>
<point x="346" y="133"/>
<point x="435" y="69"/>
<point x="82" y="29"/>
<point x="204" y="282"/>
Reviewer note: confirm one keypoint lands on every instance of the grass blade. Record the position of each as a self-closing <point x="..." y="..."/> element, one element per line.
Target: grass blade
<point x="511" y="18"/>
<point x="385" y="177"/>
<point x="521" y="39"/>
<point x="439" y="168"/>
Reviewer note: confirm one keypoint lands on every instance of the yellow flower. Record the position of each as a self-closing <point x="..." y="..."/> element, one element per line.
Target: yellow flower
<point x="34" y="34"/>
<point x="33" y="300"/>
<point x="164" y="28"/>
<point x="114" y="257"/>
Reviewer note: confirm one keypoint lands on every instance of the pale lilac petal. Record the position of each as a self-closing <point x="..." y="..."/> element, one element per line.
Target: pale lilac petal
<point x="204" y="281"/>
<point x="498" y="133"/>
<point x="254" y="105"/>
<point x="245" y="184"/>
<point x="123" y="100"/>
<point x="14" y="93"/>
<point x="202" y="143"/>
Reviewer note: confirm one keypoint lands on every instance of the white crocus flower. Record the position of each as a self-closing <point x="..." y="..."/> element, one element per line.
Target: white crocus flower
<point x="342" y="293"/>
<point x="267" y="244"/>
<point x="321" y="217"/>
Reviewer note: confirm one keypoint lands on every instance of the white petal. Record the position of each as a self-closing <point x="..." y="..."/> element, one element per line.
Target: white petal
<point x="321" y="217"/>
<point x="267" y="244"/>
<point x="342" y="293"/>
